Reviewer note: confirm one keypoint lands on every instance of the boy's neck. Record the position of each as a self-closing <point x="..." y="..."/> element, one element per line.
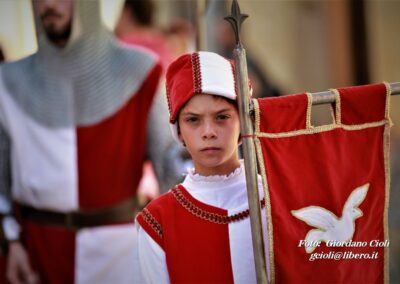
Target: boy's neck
<point x="221" y="170"/>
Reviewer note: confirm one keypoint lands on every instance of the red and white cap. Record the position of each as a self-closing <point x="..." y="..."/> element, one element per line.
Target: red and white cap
<point x="197" y="73"/>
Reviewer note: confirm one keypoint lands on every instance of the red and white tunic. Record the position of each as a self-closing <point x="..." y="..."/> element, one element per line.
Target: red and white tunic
<point x="80" y="167"/>
<point x="199" y="231"/>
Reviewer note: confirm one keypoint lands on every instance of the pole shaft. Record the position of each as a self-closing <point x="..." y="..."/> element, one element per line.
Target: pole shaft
<point x="250" y="163"/>
<point x="329" y="97"/>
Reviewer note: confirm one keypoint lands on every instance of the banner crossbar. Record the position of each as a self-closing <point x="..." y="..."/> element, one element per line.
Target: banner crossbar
<point x="327" y="97"/>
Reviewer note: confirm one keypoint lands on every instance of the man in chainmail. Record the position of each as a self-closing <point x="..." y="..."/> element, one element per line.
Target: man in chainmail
<point x="74" y="118"/>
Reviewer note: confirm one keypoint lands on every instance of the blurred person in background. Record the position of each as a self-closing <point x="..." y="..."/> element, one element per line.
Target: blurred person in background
<point x="74" y="134"/>
<point x="136" y="27"/>
<point x="181" y="36"/>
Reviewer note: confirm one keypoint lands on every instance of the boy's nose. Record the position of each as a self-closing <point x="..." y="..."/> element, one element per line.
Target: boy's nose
<point x="209" y="131"/>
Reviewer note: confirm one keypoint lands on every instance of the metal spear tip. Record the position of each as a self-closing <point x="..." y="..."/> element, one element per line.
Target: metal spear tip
<point x="236" y="19"/>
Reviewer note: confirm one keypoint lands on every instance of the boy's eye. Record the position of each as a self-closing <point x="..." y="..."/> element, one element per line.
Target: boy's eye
<point x="222" y="117"/>
<point x="192" y="119"/>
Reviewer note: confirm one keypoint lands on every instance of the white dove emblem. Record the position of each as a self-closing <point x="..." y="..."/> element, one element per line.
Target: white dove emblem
<point x="330" y="227"/>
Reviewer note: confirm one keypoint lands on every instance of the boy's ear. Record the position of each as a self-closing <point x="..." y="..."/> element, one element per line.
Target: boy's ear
<point x="240" y="139"/>
<point x="181" y="139"/>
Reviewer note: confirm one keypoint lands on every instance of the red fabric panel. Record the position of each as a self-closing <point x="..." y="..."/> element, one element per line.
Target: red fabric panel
<point x="363" y="104"/>
<point x="283" y="114"/>
<point x="197" y="250"/>
<point x="323" y="169"/>
<point x="51" y="252"/>
<point x="179" y="80"/>
<point x="111" y="153"/>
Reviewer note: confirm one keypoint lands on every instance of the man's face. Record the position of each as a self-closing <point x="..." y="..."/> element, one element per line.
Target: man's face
<point x="56" y="18"/>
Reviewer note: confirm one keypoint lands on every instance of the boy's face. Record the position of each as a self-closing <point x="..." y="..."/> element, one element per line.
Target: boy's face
<point x="209" y="126"/>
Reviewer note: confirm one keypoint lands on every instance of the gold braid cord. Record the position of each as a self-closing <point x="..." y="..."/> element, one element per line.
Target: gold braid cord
<point x="149" y="219"/>
<point x="209" y="216"/>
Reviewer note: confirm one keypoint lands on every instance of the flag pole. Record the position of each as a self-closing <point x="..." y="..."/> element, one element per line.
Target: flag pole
<point x="249" y="155"/>
<point x="201" y="40"/>
<point x="327" y="97"/>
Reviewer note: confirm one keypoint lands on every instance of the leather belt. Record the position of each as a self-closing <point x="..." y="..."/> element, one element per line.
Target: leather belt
<point x="75" y="220"/>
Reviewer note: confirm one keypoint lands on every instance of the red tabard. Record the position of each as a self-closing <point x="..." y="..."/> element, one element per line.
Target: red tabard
<point x="320" y="171"/>
<point x="197" y="250"/>
<point x="110" y="160"/>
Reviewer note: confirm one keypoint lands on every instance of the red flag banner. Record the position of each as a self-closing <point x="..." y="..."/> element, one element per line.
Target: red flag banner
<point x="327" y="186"/>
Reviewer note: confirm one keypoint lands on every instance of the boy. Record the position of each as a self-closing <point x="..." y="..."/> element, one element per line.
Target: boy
<point x="199" y="231"/>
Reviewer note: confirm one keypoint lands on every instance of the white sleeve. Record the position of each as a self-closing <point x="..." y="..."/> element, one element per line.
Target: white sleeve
<point x="152" y="261"/>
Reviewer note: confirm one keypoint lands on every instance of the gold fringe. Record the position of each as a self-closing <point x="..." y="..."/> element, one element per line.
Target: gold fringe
<point x="386" y="155"/>
<point x="309" y="109"/>
<point x="387" y="106"/>
<point x="257" y="115"/>
<point x="266" y="194"/>
<point x="322" y="128"/>
<point x="267" y="209"/>
<point x="338" y="106"/>
<point x="332" y="110"/>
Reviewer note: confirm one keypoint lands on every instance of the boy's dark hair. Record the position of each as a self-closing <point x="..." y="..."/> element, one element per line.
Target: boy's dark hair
<point x="232" y="102"/>
<point x="141" y="10"/>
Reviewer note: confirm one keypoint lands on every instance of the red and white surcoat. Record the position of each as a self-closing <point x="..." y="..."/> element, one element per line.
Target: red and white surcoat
<point x="80" y="167"/>
<point x="199" y="232"/>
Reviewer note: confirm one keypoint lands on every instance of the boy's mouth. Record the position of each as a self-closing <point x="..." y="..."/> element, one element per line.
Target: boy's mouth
<point x="210" y="149"/>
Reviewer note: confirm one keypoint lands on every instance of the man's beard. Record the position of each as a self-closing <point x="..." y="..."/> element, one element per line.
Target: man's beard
<point x="58" y="36"/>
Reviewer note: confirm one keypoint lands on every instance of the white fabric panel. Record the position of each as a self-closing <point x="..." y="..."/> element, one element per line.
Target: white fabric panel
<point x="43" y="160"/>
<point x="153" y="265"/>
<point x="107" y="255"/>
<point x="216" y="75"/>
<point x="241" y="248"/>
